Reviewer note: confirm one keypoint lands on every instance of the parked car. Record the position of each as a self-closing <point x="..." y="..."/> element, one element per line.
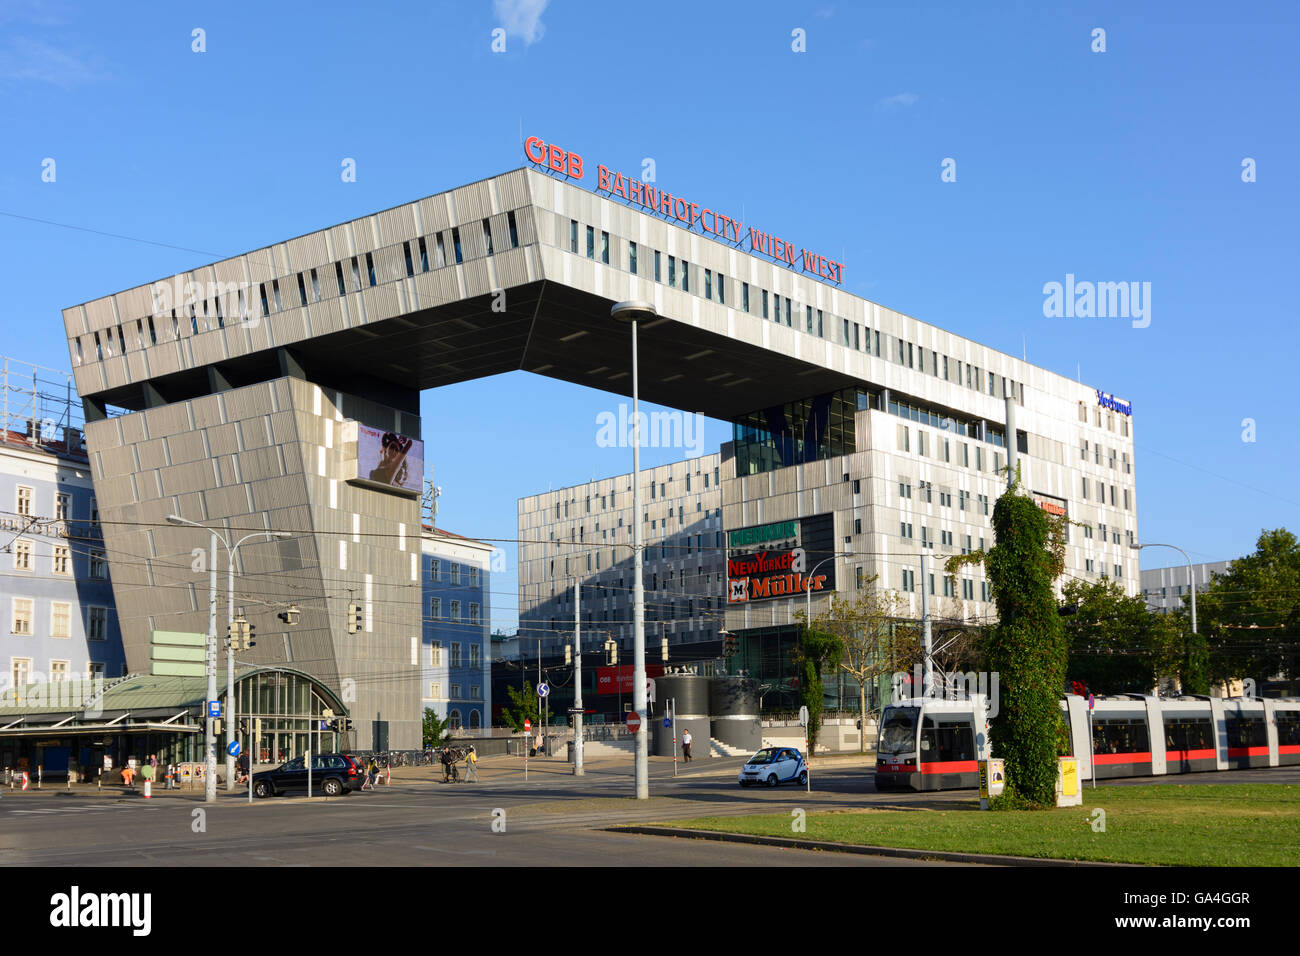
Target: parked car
<point x="774" y="765"/>
<point x="331" y="774"/>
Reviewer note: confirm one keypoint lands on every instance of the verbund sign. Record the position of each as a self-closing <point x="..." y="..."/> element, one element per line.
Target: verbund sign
<point x="618" y="680"/>
<point x="692" y="214"/>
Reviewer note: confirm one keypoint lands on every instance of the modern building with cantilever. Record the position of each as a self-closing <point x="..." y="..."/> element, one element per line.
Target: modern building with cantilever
<point x="255" y="390"/>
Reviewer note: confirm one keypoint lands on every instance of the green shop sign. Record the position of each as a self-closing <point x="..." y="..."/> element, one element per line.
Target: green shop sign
<point x="779" y="531"/>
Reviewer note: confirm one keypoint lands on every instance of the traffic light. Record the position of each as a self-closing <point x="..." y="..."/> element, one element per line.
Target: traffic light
<point x="568" y="653"/>
<point x="250" y="632"/>
<point x="354" y="618"/>
<point x="663" y="648"/>
<point x="290" y="616"/>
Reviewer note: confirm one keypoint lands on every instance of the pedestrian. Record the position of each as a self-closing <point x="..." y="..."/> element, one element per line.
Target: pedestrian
<point x="128" y="776"/>
<point x="686" y="746"/>
<point x="471" y="765"/>
<point x="446" y="764"/>
<point x="153" y="762"/>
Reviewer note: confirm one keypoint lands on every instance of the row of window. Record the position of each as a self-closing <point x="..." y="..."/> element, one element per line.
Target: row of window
<point x="454" y="658"/>
<point x="908" y="585"/>
<point x="1096" y="450"/>
<point x="62" y="559"/>
<point x="435" y="611"/>
<point x="852" y="334"/>
<point x="454" y="719"/>
<point x="578" y="533"/>
<point x="22" y="619"/>
<point x="435" y="692"/>
<point x="25" y="503"/>
<point x="20" y="670"/>
<point x="453" y="572"/>
<point x="1101" y="494"/>
<point x="1096" y="419"/>
<point x="312" y="285"/>
<point x="610" y="501"/>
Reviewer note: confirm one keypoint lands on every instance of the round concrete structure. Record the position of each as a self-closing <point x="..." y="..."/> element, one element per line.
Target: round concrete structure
<point x="733" y="709"/>
<point x="691" y="694"/>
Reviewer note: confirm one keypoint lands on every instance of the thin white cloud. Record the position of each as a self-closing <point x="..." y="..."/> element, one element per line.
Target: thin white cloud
<point x="898" y="101"/>
<point x="28" y="60"/>
<point x="521" y="18"/>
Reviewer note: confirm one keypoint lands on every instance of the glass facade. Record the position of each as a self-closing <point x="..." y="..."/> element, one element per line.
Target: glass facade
<point x="811" y="429"/>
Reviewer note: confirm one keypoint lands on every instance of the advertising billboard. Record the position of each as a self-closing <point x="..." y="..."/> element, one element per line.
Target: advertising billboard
<point x="618" y="680"/>
<point x="386" y="459"/>
<point x="783" y="559"/>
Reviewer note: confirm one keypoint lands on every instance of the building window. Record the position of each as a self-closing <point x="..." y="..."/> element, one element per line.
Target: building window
<point x="21" y="669"/>
<point x="22" y="555"/>
<point x="455" y="573"/>
<point x="455" y="244"/>
<point x="97" y="623"/>
<point x="25" y="501"/>
<point x="672" y="272"/>
<point x="435" y="570"/>
<point x="591" y="242"/>
<point x="475" y="656"/>
<point x="435" y="654"/>
<point x="455" y="616"/>
<point x="435" y="609"/>
<point x="23" y="612"/>
<point x="686" y="276"/>
<point x="455" y="655"/>
<point x="473" y="614"/>
<point x="473" y="576"/>
<point x="98" y="566"/>
<point x="62" y="560"/>
<point x="435" y="690"/>
<point x="604" y="248"/>
<point x="765" y="303"/>
<point x="95" y="670"/>
<point x="573" y="236"/>
<point x="657" y="279"/>
<point x="58" y="670"/>
<point x="631" y="257"/>
<point x="909" y="581"/>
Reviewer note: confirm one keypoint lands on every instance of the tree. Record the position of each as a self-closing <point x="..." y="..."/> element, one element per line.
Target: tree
<point x="872" y="642"/>
<point x="1027" y="646"/>
<point x="435" y="728"/>
<point x="522" y="706"/>
<point x="1116" y="644"/>
<point x="1249" y="616"/>
<point x="814" y="653"/>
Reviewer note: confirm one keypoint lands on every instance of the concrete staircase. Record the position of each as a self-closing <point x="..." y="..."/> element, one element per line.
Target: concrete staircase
<point x="719" y="749"/>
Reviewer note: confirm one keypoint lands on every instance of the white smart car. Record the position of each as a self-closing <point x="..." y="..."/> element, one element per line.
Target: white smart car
<point x="774" y="765"/>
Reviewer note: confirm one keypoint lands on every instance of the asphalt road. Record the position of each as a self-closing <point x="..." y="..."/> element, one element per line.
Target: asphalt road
<point x="553" y="819"/>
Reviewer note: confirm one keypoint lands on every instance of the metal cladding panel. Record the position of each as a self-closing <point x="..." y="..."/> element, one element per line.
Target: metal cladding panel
<point x="179" y="479"/>
<point x="690" y="691"/>
<point x="185" y="447"/>
<point x="150" y="454"/>
<point x="74" y="321"/>
<point x="100" y="314"/>
<point x="164" y="421"/>
<point x="207" y="411"/>
<point x="267" y="462"/>
<point x="230" y="501"/>
<point x="115" y="371"/>
<point x="251" y="402"/>
<point x="365" y="234"/>
<point x="117" y="460"/>
<point x="435" y="215"/>
<point x="135" y="303"/>
<point x="512" y="268"/>
<point x="379" y="302"/>
<point x="308" y="251"/>
<point x="396" y="225"/>
<point x="471" y="202"/>
<point x="526" y="224"/>
<point x="209" y="348"/>
<point x="478" y="278"/>
<point x="282" y="328"/>
<point x="390" y="263"/>
<point x="326" y="316"/>
<point x="222" y="439"/>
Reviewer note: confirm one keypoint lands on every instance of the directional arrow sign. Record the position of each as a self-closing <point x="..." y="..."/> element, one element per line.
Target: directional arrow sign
<point x="543" y="690"/>
<point x="233" y="749"/>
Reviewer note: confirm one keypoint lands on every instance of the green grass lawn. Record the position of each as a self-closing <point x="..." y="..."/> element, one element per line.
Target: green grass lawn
<point x="1187" y="825"/>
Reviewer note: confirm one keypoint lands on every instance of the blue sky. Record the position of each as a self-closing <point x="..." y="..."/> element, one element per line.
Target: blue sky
<point x="1123" y="165"/>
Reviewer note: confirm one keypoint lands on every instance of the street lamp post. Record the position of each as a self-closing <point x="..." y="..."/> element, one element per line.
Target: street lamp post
<point x="231" y="715"/>
<point x="1191" y="584"/>
<point x="631" y="312"/>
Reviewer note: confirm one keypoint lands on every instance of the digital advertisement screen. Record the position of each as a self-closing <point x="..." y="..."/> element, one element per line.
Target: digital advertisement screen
<point x="387" y="458"/>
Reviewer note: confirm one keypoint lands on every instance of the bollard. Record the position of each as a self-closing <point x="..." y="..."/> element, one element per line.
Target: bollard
<point x="147" y="793"/>
<point x="39" y="768"/>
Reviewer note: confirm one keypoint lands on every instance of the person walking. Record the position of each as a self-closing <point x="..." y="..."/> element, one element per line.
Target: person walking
<point x="686" y="746"/>
<point x="471" y="765"/>
<point x="446" y="764"/>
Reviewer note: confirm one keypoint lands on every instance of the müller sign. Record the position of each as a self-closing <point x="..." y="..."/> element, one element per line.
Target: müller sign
<point x="663" y="203"/>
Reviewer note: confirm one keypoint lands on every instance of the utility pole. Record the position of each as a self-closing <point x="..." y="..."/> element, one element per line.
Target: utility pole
<point x="577" y="677"/>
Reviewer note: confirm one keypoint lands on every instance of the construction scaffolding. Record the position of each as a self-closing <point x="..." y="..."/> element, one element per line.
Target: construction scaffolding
<point x="40" y="408"/>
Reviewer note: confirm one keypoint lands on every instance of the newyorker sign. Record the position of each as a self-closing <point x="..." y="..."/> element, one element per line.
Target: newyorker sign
<point x="691" y="214"/>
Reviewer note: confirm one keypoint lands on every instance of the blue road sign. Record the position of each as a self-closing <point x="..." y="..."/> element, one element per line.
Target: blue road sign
<point x="543" y="690"/>
<point x="214" y="708"/>
<point x="668" y="721"/>
<point x="233" y="749"/>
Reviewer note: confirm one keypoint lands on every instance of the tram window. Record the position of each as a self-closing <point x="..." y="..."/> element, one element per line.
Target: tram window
<point x="946" y="741"/>
<point x="1120" y="735"/>
<point x="1188" y="733"/>
<point x="1288" y="730"/>
<point x="1246" y="732"/>
<point x="898" y="732"/>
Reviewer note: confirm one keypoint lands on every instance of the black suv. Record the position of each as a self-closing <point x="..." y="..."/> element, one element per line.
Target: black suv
<point x="331" y="775"/>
